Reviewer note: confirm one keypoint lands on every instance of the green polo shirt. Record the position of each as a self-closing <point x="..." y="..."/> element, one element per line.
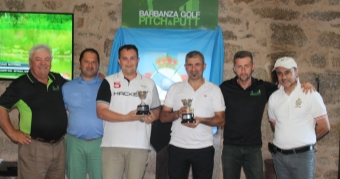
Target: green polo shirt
<point x="41" y="106"/>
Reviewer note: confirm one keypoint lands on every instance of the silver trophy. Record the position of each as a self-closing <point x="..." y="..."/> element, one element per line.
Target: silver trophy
<point x="143" y="108"/>
<point x="188" y="117"/>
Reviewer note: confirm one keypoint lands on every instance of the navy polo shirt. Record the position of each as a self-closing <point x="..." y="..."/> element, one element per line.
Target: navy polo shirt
<point x="41" y="106"/>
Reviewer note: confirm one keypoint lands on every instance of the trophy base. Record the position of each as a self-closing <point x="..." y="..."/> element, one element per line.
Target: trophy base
<point x="143" y="110"/>
<point x="143" y="113"/>
<point x="188" y="118"/>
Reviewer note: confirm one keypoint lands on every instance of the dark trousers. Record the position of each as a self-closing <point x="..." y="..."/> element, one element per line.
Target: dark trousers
<point x="201" y="161"/>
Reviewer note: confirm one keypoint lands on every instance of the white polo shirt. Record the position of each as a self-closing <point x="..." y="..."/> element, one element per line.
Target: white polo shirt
<point x="122" y="97"/>
<point x="295" y="117"/>
<point x="206" y="101"/>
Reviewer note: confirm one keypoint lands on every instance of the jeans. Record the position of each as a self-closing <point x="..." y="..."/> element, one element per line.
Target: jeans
<point x="294" y="166"/>
<point x="248" y="157"/>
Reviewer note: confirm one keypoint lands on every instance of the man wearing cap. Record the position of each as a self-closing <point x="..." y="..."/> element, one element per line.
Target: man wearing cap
<point x="298" y="120"/>
<point x="245" y="100"/>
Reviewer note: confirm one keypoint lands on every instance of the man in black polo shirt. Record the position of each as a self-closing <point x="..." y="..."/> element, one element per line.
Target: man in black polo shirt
<point x="43" y="119"/>
<point x="245" y="99"/>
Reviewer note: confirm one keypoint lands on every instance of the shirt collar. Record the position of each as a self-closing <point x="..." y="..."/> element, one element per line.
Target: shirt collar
<point x="186" y="82"/>
<point x="121" y="75"/>
<point x="253" y="82"/>
<point x="34" y="80"/>
<point x="92" y="81"/>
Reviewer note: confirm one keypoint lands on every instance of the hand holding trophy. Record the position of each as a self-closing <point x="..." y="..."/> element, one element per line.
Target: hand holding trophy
<point x="188" y="117"/>
<point x="142" y="109"/>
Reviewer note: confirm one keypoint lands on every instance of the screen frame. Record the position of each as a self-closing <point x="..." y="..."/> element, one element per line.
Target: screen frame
<point x="3" y="78"/>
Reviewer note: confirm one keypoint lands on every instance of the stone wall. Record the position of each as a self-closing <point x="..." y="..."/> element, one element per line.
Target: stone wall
<point x="308" y="30"/>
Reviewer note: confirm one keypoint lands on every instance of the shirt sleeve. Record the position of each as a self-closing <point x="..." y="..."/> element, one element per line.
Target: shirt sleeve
<point x="318" y="108"/>
<point x="104" y="92"/>
<point x="155" y="98"/>
<point x="168" y="101"/>
<point x="10" y="97"/>
<point x="218" y="100"/>
<point x="271" y="115"/>
<point x="64" y="90"/>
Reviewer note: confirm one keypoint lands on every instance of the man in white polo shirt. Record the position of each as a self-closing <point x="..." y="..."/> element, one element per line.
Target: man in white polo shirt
<point x="298" y="120"/>
<point x="126" y="139"/>
<point x="191" y="144"/>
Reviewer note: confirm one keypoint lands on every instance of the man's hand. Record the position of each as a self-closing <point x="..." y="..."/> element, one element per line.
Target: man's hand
<point x="148" y="119"/>
<point x="20" y="137"/>
<point x="307" y="87"/>
<point x="182" y="111"/>
<point x="193" y="125"/>
<point x="101" y="75"/>
<point x="132" y="115"/>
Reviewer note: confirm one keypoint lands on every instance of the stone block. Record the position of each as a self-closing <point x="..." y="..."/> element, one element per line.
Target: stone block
<point x="261" y="73"/>
<point x="276" y="14"/>
<point x="274" y="56"/>
<point x="228" y="74"/>
<point x="318" y="61"/>
<point x="245" y="1"/>
<point x="107" y="47"/>
<point x="329" y="39"/>
<point x="306" y="2"/>
<point x="331" y="174"/>
<point x="229" y="51"/>
<point x="112" y="15"/>
<point x="324" y="16"/>
<point x="15" y="4"/>
<point x="288" y="35"/>
<point x="335" y="62"/>
<point x="335" y="25"/>
<point x="83" y="8"/>
<point x="229" y="20"/>
<point x="229" y="35"/>
<point x="328" y="85"/>
<point x="53" y="5"/>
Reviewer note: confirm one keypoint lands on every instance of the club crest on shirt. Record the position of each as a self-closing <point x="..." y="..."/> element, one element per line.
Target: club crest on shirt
<point x="116" y="84"/>
<point x="56" y="88"/>
<point x="258" y="93"/>
<point x="298" y="103"/>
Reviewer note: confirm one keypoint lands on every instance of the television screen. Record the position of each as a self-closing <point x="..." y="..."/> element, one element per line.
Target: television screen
<point x="20" y="31"/>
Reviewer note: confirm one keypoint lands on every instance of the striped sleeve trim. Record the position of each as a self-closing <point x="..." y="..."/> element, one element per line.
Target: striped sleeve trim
<point x="324" y="116"/>
<point x="272" y="120"/>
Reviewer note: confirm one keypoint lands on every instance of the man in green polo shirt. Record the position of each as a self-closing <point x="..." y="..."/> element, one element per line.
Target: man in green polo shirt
<point x="43" y="119"/>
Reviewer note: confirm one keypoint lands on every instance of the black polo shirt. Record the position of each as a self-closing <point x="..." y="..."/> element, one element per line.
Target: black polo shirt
<point x="244" y="111"/>
<point x="41" y="107"/>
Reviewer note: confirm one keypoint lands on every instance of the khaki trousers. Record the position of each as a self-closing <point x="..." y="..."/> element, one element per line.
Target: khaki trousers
<point x="39" y="160"/>
<point x="117" y="160"/>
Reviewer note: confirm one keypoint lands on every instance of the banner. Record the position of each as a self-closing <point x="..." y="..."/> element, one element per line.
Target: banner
<point x="173" y="14"/>
<point x="162" y="53"/>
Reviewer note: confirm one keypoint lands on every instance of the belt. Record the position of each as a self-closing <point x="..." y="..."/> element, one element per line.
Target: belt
<point x="296" y="150"/>
<point x="47" y="141"/>
<point x="83" y="138"/>
<point x="90" y="139"/>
